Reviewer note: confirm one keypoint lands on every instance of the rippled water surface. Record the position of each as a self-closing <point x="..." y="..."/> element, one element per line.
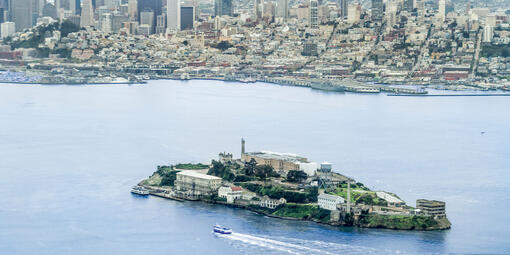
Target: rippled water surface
<point x="70" y="154"/>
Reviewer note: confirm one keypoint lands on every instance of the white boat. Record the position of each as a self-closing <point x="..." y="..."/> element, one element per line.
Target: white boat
<point x="139" y="190"/>
<point x="222" y="230"/>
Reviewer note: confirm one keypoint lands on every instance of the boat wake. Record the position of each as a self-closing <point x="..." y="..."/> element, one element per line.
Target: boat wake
<point x="250" y="244"/>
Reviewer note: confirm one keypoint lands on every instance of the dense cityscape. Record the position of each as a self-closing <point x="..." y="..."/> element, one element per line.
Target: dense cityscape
<point x="457" y="45"/>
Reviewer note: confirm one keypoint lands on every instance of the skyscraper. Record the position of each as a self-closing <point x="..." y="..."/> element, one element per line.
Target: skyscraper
<point x="21" y="13"/>
<point x="409" y="5"/>
<point x="87" y="14"/>
<point x="258" y="6"/>
<point x="282" y="9"/>
<point x="223" y="7"/>
<point x="441" y="14"/>
<point x="187" y="17"/>
<point x="377" y="10"/>
<point x="133" y="10"/>
<point x="344" y="8"/>
<point x="150" y="5"/>
<point x="314" y="14"/>
<point x="173" y="20"/>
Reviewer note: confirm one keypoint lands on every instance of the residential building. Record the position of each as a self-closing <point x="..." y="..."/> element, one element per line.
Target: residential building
<point x="314" y="14"/>
<point x="329" y="202"/>
<point x="230" y="193"/>
<point x="432" y="207"/>
<point x="197" y="184"/>
<point x="271" y="203"/>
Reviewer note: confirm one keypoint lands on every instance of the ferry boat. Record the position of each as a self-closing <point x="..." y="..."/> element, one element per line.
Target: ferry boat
<point x="222" y="230"/>
<point x="138" y="190"/>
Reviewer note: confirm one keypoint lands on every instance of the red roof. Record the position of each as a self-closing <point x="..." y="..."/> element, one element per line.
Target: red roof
<point x="237" y="188"/>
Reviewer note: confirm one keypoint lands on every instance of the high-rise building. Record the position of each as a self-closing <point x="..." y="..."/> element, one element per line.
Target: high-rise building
<point x="87" y="14"/>
<point x="223" y="7"/>
<point x="49" y="10"/>
<point x="488" y="34"/>
<point x="147" y="18"/>
<point x="282" y="9"/>
<point x="354" y="13"/>
<point x="161" y="24"/>
<point x="409" y="5"/>
<point x="391" y="13"/>
<point x="314" y="14"/>
<point x="7" y="28"/>
<point x="155" y="6"/>
<point x="187" y="17"/>
<point x="173" y="15"/>
<point x="344" y="6"/>
<point x="21" y="13"/>
<point x="258" y="6"/>
<point x="441" y="12"/>
<point x="378" y="10"/>
<point x="133" y="10"/>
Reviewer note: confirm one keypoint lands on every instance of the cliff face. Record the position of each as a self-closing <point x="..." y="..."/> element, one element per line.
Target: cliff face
<point x="403" y="222"/>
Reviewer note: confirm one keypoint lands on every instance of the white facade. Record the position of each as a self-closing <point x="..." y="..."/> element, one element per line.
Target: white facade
<point x="309" y="168"/>
<point x="173" y="20"/>
<point x="329" y="202"/>
<point x="8" y="28"/>
<point x="282" y="9"/>
<point x="271" y="203"/>
<point x="197" y="183"/>
<point x="230" y="193"/>
<point x="441" y="15"/>
<point x="392" y="200"/>
<point x="87" y="14"/>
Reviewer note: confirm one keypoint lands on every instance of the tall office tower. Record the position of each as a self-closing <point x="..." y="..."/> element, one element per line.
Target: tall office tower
<point x="87" y="14"/>
<point x="7" y="29"/>
<point x="282" y="9"/>
<point x="420" y="8"/>
<point x="147" y="18"/>
<point x="174" y="15"/>
<point x="258" y="6"/>
<point x="344" y="8"/>
<point x="391" y="13"/>
<point x="354" y="13"/>
<point x="223" y="7"/>
<point x="161" y="24"/>
<point x="409" y="5"/>
<point x="21" y="14"/>
<point x="155" y="5"/>
<point x="187" y="17"/>
<point x="111" y="4"/>
<point x="49" y="10"/>
<point x="488" y="33"/>
<point x="314" y="14"/>
<point x="106" y="22"/>
<point x="441" y="14"/>
<point x="377" y="10"/>
<point x="133" y="10"/>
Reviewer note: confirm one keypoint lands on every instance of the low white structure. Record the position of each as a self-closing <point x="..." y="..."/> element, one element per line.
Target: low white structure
<point x="392" y="200"/>
<point x="329" y="202"/>
<point x="271" y="203"/>
<point x="309" y="168"/>
<point x="230" y="193"/>
<point x="196" y="183"/>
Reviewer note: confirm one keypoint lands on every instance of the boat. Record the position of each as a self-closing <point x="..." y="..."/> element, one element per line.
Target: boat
<point x="139" y="190"/>
<point x="222" y="230"/>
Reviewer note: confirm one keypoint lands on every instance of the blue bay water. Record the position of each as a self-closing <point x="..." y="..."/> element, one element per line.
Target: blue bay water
<point x="70" y="154"/>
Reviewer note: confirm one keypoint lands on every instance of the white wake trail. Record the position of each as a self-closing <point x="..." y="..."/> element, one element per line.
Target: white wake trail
<point x="280" y="243"/>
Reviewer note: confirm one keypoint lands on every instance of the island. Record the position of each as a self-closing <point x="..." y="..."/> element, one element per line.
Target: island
<point x="288" y="186"/>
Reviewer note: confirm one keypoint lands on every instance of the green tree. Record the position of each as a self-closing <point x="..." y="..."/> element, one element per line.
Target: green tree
<point x="249" y="167"/>
<point x="263" y="171"/>
<point x="296" y="176"/>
